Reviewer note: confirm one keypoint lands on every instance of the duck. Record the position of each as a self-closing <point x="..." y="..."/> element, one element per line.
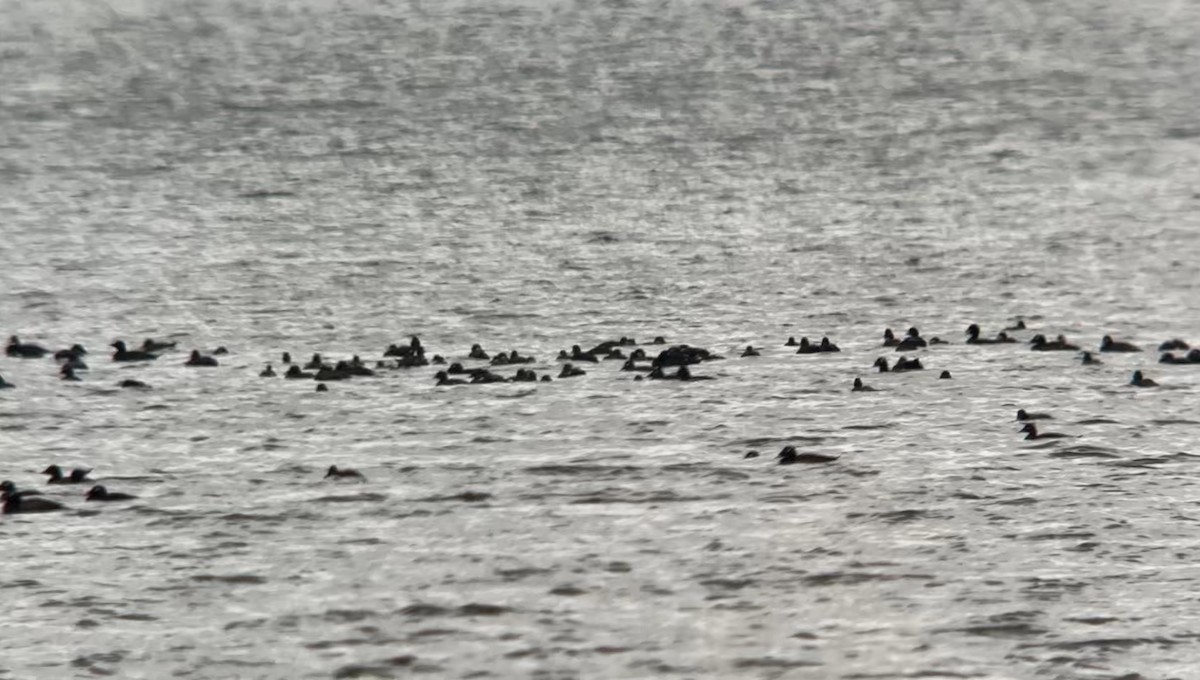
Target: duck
<point x="659" y="340"/>
<point x="789" y="456"/>
<point x="525" y="375"/>
<point x="23" y="350"/>
<point x="750" y="352"/>
<point x="315" y="363"/>
<point x="945" y="375"/>
<point x="889" y="338"/>
<point x="630" y="365"/>
<point x="1087" y="359"/>
<point x="1031" y="432"/>
<point x="152" y="345"/>
<point x="197" y="359"/>
<point x="791" y="341"/>
<point x="131" y="384"/>
<point x="1018" y="326"/>
<point x="67" y="373"/>
<point x="1176" y="344"/>
<point x="478" y="353"/>
<point x="860" y="387"/>
<point x="974" y="339"/>
<point x="267" y="372"/>
<point x="294" y="373"/>
<point x="74" y="351"/>
<point x="77" y="476"/>
<point x="570" y="371"/>
<point x="1140" y="380"/>
<point x="577" y="354"/>
<point x="343" y="473"/>
<point x="1038" y="343"/>
<point x="286" y="359"/>
<point x="902" y="364"/>
<point x="438" y="360"/>
<point x="684" y="373"/>
<point x="20" y="504"/>
<point x="124" y="354"/>
<point x="1107" y="344"/>
<point x="7" y="489"/>
<point x="487" y="377"/>
<point x="221" y="350"/>
<point x="911" y="341"/>
<point x="807" y="347"/>
<point x="76" y="363"/>
<point x="1169" y="358"/>
<point x="1003" y="338"/>
<point x="882" y="364"/>
<point x="827" y="346"/>
<point x="5" y="385"/>
<point x="99" y="493"/>
<point x="1023" y="415"/>
<point x="444" y="379"/>
<point x="322" y="387"/>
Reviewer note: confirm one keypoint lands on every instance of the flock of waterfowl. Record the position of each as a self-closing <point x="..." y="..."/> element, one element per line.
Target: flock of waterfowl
<point x="71" y="362"/>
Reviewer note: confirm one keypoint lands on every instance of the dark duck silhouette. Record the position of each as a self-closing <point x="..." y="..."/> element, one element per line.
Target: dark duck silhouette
<point x="791" y="342"/>
<point x="347" y="473"/>
<point x="827" y="346"/>
<point x="77" y="476"/>
<point x="19" y="504"/>
<point x="131" y="384"/>
<point x="1107" y="344"/>
<point x="807" y="347"/>
<point x="152" y="345"/>
<point x="5" y="385"/>
<point x="1087" y="359"/>
<point x="911" y="341"/>
<point x="73" y="352"/>
<point x="974" y="339"/>
<point x="1038" y="343"/>
<point x="860" y="387"/>
<point x="1140" y="380"/>
<point x="267" y="372"/>
<point x="24" y="350"/>
<point x="122" y="353"/>
<point x="789" y="456"/>
<point x="1023" y="415"/>
<point x="889" y="338"/>
<point x="197" y="359"/>
<point x="295" y="373"/>
<point x="1176" y="344"/>
<point x="99" y="493"/>
<point x="7" y="488"/>
<point x="444" y="378"/>
<point x="67" y="373"/>
<point x="750" y="352"/>
<point x="1031" y="432"/>
<point x="478" y="353"/>
<point x="571" y="371"/>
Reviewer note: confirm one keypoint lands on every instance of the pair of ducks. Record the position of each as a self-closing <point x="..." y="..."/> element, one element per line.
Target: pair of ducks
<point x="790" y="456"/>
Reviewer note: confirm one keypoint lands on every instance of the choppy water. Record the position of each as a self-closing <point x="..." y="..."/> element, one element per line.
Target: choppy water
<point x="318" y="176"/>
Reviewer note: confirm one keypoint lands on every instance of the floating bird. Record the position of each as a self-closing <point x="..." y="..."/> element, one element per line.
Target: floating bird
<point x="77" y="476"/>
<point x="1107" y="344"/>
<point x="1023" y="415"/>
<point x="860" y="387"/>
<point x="1032" y="433"/>
<point x="343" y="473"/>
<point x="198" y="359"/>
<point x="124" y="354"/>
<point x="1140" y="380"/>
<point x="24" y="504"/>
<point x="16" y="348"/>
<point x="99" y="493"/>
<point x="789" y="456"/>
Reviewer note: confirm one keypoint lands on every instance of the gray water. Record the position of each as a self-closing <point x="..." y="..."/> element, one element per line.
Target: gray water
<point x="318" y="176"/>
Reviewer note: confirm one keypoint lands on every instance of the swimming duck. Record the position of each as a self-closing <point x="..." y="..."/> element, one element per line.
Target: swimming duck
<point x="945" y="375"/>
<point x="1032" y="433"/>
<point x="1140" y="380"/>
<point x="1019" y="326"/>
<point x="1088" y="360"/>
<point x="286" y="359"/>
<point x="525" y="375"/>
<point x="789" y="456"/>
<point x="1107" y="344"/>
<point x="294" y="373"/>
<point x="659" y="340"/>
<point x="973" y="336"/>
<point x="131" y="384"/>
<point x="860" y="387"/>
<point x="750" y="352"/>
<point x="7" y="489"/>
<point x="221" y="350"/>
<point x="485" y="377"/>
<point x="791" y="342"/>
<point x="1038" y="343"/>
<point x="889" y="338"/>
<point x="16" y="348"/>
<point x="346" y="473"/>
<point x="4" y="384"/>
<point x="577" y="354"/>
<point x="77" y="476"/>
<point x="444" y="379"/>
<point x="1169" y="358"/>
<point x="322" y="387"/>
<point x="99" y="493"/>
<point x="1023" y="415"/>
<point x="197" y="359"/>
<point x="1175" y="344"/>
<point x="315" y="363"/>
<point x="629" y="365"/>
<point x="73" y="352"/>
<point x="267" y="372"/>
<point x="882" y="364"/>
<point x="911" y="341"/>
<point x="152" y="345"/>
<point x="67" y="373"/>
<point x="17" y="504"/>
<point x="478" y="353"/>
<point x="570" y="371"/>
<point x="905" y="364"/>
<point x="827" y="346"/>
<point x="684" y="373"/>
<point x="438" y="360"/>
<point x="807" y="347"/>
<point x="124" y="354"/>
